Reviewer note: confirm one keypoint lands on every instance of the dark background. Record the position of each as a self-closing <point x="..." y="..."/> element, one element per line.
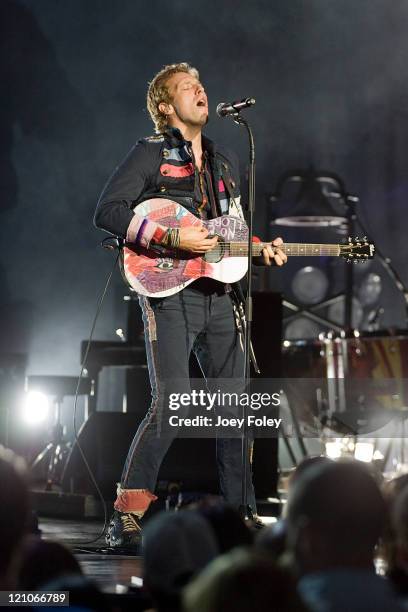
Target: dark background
<point x="330" y="80"/>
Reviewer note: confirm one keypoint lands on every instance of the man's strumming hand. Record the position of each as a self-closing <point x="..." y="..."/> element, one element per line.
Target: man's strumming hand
<point x="195" y="240"/>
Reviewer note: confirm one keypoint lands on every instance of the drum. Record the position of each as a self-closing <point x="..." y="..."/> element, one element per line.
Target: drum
<point x="303" y="359"/>
<point x="303" y="367"/>
<point x="363" y="378"/>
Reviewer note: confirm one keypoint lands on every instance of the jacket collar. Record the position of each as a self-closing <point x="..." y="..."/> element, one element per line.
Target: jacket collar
<point x="175" y="138"/>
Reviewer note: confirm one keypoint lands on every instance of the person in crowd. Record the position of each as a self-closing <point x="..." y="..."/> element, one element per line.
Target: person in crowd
<point x="242" y="581"/>
<point x="272" y="539"/>
<point x="176" y="546"/>
<point x="229" y="528"/>
<point x="336" y="515"/>
<point x="84" y="595"/>
<point x="42" y="561"/>
<point x="389" y="546"/>
<point x="397" y="549"/>
<point x="305" y="464"/>
<point x="14" y="515"/>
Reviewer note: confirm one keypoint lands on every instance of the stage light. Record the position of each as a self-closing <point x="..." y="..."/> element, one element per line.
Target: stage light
<point x="364" y="451"/>
<point x="35" y="408"/>
<point x="334" y="450"/>
<point x="310" y="285"/>
<point x="301" y="328"/>
<point x="119" y="332"/>
<point x="268" y="520"/>
<point x="317" y="199"/>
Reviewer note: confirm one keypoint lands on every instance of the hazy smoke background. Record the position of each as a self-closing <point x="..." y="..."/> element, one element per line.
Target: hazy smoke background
<point x="331" y="88"/>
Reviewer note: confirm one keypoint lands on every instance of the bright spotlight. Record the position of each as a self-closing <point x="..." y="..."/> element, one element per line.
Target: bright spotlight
<point x="36" y="407"/>
<point x="334" y="450"/>
<point x="364" y="451"/>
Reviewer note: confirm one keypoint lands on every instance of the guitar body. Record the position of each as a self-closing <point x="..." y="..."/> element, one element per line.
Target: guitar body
<point x="160" y="272"/>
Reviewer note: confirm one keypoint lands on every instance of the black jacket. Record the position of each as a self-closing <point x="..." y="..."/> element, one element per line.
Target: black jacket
<point x="163" y="166"/>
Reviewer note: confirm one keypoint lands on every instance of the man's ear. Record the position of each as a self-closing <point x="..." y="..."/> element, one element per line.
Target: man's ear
<point x="166" y="109"/>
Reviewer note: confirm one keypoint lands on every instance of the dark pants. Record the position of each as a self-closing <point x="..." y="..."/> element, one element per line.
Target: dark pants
<point x="199" y="318"/>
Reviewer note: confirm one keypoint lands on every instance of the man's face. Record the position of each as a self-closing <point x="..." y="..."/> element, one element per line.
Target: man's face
<point x="188" y="100"/>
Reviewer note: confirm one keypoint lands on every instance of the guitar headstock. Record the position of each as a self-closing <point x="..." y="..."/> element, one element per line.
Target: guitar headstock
<point x="357" y="250"/>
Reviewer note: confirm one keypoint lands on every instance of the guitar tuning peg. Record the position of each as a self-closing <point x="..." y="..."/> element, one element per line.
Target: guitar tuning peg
<point x="365" y="238"/>
<point x="349" y="238"/>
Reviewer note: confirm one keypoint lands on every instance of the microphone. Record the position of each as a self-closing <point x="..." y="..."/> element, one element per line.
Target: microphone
<point x="231" y="108"/>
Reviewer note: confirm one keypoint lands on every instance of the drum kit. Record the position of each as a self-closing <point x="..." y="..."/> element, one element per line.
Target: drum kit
<point x="358" y="381"/>
<point x="360" y="375"/>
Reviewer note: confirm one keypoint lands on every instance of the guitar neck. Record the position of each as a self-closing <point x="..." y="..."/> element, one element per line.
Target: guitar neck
<point x="237" y="249"/>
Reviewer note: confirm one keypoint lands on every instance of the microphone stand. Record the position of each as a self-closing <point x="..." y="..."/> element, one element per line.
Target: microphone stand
<point x="245" y="510"/>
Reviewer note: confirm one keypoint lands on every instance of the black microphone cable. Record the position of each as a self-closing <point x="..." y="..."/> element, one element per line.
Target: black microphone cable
<point x="84" y="360"/>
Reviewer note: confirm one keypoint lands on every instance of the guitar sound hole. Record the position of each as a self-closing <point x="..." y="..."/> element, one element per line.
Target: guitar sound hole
<point x="216" y="254"/>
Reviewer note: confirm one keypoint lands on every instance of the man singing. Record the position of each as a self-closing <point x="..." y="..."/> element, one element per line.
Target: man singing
<point x="181" y="164"/>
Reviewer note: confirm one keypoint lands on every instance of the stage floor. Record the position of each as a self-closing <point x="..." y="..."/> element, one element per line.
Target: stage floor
<point x="107" y="570"/>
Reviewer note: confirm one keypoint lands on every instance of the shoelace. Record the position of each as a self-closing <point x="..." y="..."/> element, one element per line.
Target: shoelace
<point x="129" y="522"/>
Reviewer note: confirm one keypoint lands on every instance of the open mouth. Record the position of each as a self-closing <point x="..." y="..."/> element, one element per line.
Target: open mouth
<point x="202" y="102"/>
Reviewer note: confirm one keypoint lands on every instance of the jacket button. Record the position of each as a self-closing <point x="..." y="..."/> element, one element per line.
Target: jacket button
<point x="162" y="188"/>
<point x="166" y="153"/>
<point x="233" y="184"/>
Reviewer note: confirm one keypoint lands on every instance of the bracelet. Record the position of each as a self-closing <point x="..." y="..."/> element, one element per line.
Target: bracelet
<point x="171" y="238"/>
<point x="176" y="238"/>
<point x="165" y="239"/>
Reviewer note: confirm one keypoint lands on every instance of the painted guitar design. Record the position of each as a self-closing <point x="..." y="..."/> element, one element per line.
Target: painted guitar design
<point x="160" y="272"/>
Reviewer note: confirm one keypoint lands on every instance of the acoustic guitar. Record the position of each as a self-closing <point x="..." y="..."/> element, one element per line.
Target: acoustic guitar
<point x="160" y="272"/>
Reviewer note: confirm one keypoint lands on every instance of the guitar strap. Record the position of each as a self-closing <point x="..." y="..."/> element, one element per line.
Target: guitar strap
<point x="225" y="176"/>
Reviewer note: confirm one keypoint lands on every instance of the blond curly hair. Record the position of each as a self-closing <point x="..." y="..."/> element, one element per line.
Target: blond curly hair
<point x="158" y="92"/>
